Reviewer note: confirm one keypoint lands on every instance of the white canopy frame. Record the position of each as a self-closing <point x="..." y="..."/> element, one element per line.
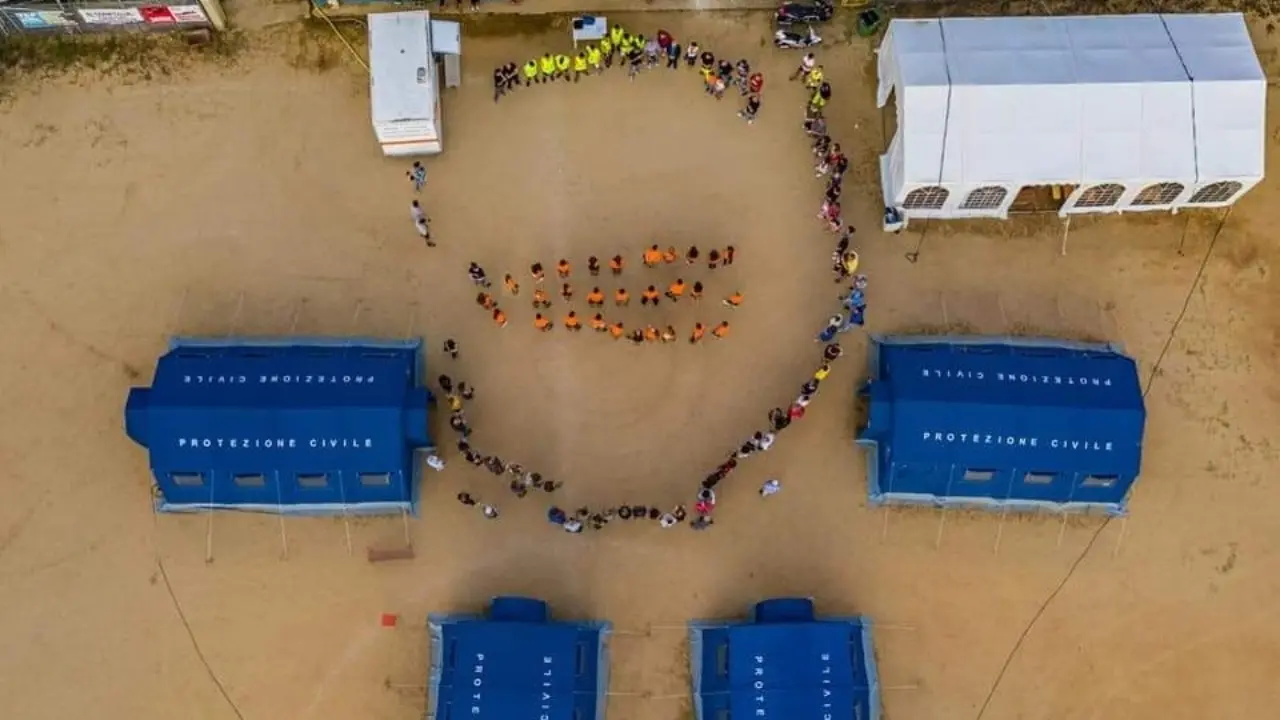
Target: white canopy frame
<point x="1131" y="113"/>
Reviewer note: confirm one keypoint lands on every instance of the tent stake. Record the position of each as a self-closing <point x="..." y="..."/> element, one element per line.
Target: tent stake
<point x="235" y="318"/>
<point x="946" y="321"/>
<point x="942" y="521"/>
<point x="355" y="317"/>
<point x="1004" y="513"/>
<point x="884" y="528"/>
<point x="408" y="540"/>
<point x="1066" y="230"/>
<point x="208" y="536"/>
<point x="1124" y="525"/>
<point x="294" y="317"/>
<point x="1062" y="529"/>
<point x="284" y="539"/>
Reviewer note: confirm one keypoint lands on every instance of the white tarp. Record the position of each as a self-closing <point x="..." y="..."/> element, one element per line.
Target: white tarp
<point x="1011" y="102"/>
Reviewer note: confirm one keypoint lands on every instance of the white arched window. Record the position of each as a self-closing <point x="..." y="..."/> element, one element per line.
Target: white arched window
<point x="1100" y="196"/>
<point x="985" y="198"/>
<point x="1218" y="192"/>
<point x="932" y="197"/>
<point x="1158" y="194"/>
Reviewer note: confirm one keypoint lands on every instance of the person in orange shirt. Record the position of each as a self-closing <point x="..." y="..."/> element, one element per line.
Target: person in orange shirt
<point x="572" y="322"/>
<point x="566" y="292"/>
<point x="676" y="290"/>
<point x="511" y="285"/>
<point x="593" y="265"/>
<point x="652" y="256"/>
<point x="721" y="330"/>
<point x="598" y="324"/>
<point x="696" y="293"/>
<point x="649" y="296"/>
<point x="541" y="299"/>
<point x="698" y="331"/>
<point x="499" y="317"/>
<point x="486" y="301"/>
<point x="563" y="268"/>
<point x="541" y="323"/>
<point x="617" y="330"/>
<point x="650" y="333"/>
<point x="595" y="298"/>
<point x="670" y="255"/>
<point x="669" y="334"/>
<point x="621" y="298"/>
<point x="536" y="271"/>
<point x="616" y="265"/>
<point x="733" y="300"/>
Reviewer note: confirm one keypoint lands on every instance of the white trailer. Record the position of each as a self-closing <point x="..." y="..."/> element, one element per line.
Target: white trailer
<point x="404" y="79"/>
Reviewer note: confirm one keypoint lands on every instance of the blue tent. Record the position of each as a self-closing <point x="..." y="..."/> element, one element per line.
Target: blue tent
<point x="1001" y="422"/>
<point x="785" y="664"/>
<point x="306" y="426"/>
<point x="517" y="664"/>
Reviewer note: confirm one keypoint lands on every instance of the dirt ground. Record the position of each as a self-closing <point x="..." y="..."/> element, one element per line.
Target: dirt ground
<point x="254" y="200"/>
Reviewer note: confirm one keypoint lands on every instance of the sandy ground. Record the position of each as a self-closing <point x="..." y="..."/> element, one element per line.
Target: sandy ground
<point x="254" y="200"/>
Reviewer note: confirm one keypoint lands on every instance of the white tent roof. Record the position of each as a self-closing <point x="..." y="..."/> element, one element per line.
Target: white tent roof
<point x="401" y="73"/>
<point x="1075" y="99"/>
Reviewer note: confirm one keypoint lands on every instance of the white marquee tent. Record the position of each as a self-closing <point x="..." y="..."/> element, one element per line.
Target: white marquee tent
<point x="1131" y="112"/>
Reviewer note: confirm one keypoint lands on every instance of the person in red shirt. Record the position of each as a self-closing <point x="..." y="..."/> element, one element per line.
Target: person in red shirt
<point x="755" y="83"/>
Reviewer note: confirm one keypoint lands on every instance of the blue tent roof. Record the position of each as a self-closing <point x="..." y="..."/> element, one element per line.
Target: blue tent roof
<point x="1002" y="404"/>
<point x="792" y="666"/>
<point x="282" y="408"/>
<point x="517" y="665"/>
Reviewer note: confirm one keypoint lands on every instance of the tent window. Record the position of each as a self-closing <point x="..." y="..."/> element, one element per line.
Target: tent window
<point x="979" y="475"/>
<point x="1216" y="192"/>
<point x="1100" y="196"/>
<point x="722" y="660"/>
<point x="250" y="480"/>
<point x="187" y="479"/>
<point x="1039" y="478"/>
<point x="1158" y="194"/>
<point x="1099" y="481"/>
<point x="375" y="479"/>
<point x="313" y="480"/>
<point x="926" y="198"/>
<point x="985" y="198"/>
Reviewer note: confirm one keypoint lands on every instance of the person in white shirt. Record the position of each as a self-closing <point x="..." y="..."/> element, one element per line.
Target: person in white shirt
<point x="435" y="462"/>
<point x="489" y="511"/>
<point x="667" y="520"/>
<point x="573" y="525"/>
<point x="770" y="487"/>
<point x="420" y="222"/>
<point x="765" y="441"/>
<point x="808" y="63"/>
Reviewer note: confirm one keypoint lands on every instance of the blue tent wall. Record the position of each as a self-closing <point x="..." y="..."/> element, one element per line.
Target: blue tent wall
<point x="785" y="663"/>
<point x="1002" y="422"/>
<point x="517" y="664"/>
<point x="294" y="425"/>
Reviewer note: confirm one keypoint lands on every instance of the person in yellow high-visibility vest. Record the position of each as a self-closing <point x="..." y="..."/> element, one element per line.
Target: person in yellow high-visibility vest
<point x="616" y="33"/>
<point x="562" y="66"/>
<point x="606" y="51"/>
<point x="530" y="72"/>
<point x="546" y="68"/>
<point x="593" y="58"/>
<point x="579" y="66"/>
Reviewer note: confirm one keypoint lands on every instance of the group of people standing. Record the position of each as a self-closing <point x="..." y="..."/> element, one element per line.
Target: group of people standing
<point x="638" y="52"/>
<point x="519" y="481"/>
<point x="596" y="298"/>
